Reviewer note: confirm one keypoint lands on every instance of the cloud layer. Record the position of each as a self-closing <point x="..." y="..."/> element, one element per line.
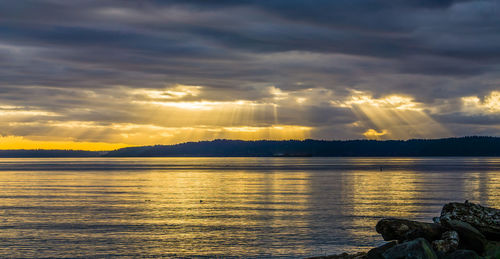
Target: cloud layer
<point x="147" y="72"/>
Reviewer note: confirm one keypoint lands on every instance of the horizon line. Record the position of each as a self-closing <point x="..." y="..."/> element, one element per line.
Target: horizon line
<point x="241" y="140"/>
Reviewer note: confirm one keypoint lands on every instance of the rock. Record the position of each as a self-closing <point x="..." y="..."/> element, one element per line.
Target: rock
<point x="462" y="254"/>
<point x="441" y="247"/>
<point x="450" y="235"/>
<point x="404" y="230"/>
<point x="415" y="249"/>
<point x="492" y="249"/>
<point x="448" y="243"/>
<point x="376" y="253"/>
<point x="360" y="255"/>
<point x="484" y="219"/>
<point x="470" y="237"/>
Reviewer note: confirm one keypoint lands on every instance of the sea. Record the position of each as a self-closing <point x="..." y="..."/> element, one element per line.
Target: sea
<point x="283" y="207"/>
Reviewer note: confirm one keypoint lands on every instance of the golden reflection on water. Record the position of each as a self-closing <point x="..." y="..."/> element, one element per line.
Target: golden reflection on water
<point x="483" y="186"/>
<point x="223" y="206"/>
<point x="214" y="200"/>
<point x="376" y="193"/>
<point x="391" y="193"/>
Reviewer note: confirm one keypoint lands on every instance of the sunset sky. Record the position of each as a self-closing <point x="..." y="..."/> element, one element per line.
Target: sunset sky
<point x="101" y="74"/>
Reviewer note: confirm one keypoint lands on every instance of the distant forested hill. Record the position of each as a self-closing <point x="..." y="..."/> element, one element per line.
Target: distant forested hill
<point x="465" y="146"/>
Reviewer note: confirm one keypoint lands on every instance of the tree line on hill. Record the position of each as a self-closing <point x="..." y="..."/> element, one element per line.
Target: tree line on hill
<point x="466" y="146"/>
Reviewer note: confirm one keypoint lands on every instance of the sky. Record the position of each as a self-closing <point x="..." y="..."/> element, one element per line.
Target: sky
<point x="105" y="74"/>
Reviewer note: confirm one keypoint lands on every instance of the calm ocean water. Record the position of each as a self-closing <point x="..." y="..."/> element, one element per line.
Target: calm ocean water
<point x="248" y="207"/>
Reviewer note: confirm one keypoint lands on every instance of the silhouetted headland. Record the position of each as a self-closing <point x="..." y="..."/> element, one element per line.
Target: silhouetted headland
<point x="465" y="146"/>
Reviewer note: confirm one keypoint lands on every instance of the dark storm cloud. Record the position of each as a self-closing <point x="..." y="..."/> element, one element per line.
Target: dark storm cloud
<point x="483" y="120"/>
<point x="54" y="54"/>
<point x="372" y="28"/>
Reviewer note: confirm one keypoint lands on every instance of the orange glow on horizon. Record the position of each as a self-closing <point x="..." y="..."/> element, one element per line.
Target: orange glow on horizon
<point x="141" y="136"/>
<point x="15" y="142"/>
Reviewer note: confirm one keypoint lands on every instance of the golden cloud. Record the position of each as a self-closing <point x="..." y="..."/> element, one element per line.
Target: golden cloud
<point x="489" y="104"/>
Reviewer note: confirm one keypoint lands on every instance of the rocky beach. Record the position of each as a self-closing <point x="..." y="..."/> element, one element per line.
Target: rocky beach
<point x="463" y="230"/>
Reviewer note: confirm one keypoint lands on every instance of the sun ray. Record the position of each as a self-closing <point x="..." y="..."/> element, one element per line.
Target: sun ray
<point x="397" y="117"/>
